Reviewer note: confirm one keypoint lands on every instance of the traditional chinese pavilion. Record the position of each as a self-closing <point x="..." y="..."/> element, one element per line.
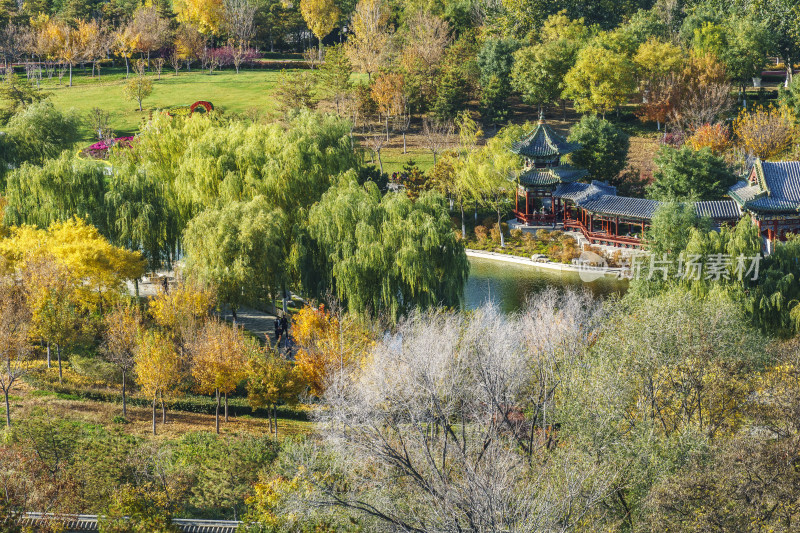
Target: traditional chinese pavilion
<point x="543" y="172"/>
<point x="602" y="217"/>
<point x="771" y="196"/>
<point x="549" y="192"/>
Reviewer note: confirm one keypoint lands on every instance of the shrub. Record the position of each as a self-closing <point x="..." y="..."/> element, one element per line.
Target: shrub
<point x="517" y="234"/>
<point x="495" y="233"/>
<point x="481" y="234"/>
<point x="543" y="235"/>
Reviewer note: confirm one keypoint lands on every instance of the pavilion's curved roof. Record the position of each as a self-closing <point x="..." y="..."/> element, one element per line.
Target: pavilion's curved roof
<point x="551" y="176"/>
<point x="543" y="142"/>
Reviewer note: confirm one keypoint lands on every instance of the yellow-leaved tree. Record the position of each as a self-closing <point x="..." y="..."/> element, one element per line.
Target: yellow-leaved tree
<point x="56" y="314"/>
<point x="219" y="357"/>
<point x="330" y="344"/>
<point x="158" y="369"/>
<point x="207" y="15"/>
<point x="271" y="379"/>
<point x="123" y="325"/>
<point x="321" y="17"/>
<point x="97" y="268"/>
<point x="766" y="133"/>
<point x="182" y="310"/>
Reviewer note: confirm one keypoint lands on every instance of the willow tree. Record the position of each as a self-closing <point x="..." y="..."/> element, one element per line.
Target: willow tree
<point x="238" y="250"/>
<point x="56" y="191"/>
<point x="488" y="173"/>
<point x="142" y="217"/>
<point x="388" y="254"/>
<point x="774" y="307"/>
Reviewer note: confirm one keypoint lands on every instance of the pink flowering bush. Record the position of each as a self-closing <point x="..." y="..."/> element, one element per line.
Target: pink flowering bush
<point x="99" y="150"/>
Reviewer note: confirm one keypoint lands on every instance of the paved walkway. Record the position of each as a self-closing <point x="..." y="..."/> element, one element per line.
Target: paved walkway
<point x="259" y="323"/>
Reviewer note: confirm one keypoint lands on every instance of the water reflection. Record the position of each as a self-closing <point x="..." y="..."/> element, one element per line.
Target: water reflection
<point x="510" y="285"/>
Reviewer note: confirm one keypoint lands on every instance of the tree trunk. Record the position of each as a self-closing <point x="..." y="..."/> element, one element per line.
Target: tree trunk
<point x="70" y="74"/>
<point x="269" y="419"/>
<point x="8" y="409"/>
<point x="380" y="161"/>
<point x="476" y="210"/>
<point x="404" y="142"/>
<point x="154" y="414"/>
<point x="48" y="354"/>
<point x="226" y="407"/>
<point x="500" y="229"/>
<point x="387" y="127"/>
<point x="463" y="222"/>
<point x="163" y="410"/>
<point x="320" y="48"/>
<point x="127" y="67"/>
<point x="124" y="404"/>
<point x="275" y="416"/>
<point x="216" y="417"/>
<point x="58" y="354"/>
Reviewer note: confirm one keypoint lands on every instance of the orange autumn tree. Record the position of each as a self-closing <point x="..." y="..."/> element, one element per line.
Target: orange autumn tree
<point x="387" y="91"/>
<point x="330" y="344"/>
<point x="715" y="137"/>
<point x="218" y="361"/>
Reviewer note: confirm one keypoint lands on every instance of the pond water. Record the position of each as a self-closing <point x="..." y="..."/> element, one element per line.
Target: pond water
<point x="510" y="285"/>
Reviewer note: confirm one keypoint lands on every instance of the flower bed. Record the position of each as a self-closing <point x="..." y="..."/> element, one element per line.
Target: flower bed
<point x="100" y="150"/>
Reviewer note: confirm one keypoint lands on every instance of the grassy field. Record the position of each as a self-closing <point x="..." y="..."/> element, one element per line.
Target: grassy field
<point x="228" y="91"/>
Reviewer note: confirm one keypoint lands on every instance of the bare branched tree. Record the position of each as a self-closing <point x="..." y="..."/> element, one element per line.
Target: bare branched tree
<point x="448" y="426"/>
<point x="438" y="136"/>
<point x="426" y="39"/>
<point x="375" y="140"/>
<point x="239" y="16"/>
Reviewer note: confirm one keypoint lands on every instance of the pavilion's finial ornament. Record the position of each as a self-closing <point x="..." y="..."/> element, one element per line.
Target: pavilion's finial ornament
<point x="541" y="116"/>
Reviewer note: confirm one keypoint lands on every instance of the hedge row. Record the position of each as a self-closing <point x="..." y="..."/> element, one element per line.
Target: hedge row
<point x="190" y="404"/>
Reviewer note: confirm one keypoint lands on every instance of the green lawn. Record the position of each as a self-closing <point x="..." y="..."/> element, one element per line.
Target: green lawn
<point x="228" y="91"/>
<point x="231" y="92"/>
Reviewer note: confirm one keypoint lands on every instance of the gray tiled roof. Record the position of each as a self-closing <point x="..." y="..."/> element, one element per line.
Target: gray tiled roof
<point x="767" y="204"/>
<point x="622" y="206"/>
<point x="777" y="189"/>
<point x="581" y="192"/>
<point x="782" y="179"/>
<point x="743" y="192"/>
<point x="718" y="209"/>
<point x="543" y="142"/>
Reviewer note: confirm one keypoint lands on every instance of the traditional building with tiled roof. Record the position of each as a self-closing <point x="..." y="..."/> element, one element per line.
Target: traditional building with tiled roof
<point x="549" y="193"/>
<point x="542" y="149"/>
<point x="771" y="196"/>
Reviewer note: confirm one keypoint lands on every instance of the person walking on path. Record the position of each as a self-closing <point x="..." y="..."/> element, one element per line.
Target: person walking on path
<point x="278" y="331"/>
<point x="285" y="327"/>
